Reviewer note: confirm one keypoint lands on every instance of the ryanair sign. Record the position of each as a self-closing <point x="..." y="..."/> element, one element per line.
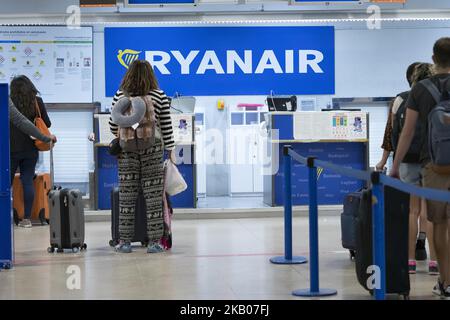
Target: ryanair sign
<point x="226" y="60"/>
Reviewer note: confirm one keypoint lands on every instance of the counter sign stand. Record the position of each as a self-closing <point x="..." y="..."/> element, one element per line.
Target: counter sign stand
<point x="6" y="224"/>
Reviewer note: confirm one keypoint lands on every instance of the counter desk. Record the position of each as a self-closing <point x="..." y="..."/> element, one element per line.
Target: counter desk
<point x="337" y="137"/>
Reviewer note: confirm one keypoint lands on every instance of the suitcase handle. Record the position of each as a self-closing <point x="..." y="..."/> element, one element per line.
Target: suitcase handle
<point x="52" y="175"/>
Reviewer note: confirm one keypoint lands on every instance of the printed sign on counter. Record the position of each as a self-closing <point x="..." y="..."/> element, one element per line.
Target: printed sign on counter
<point x="348" y="125"/>
<point x="182" y="128"/>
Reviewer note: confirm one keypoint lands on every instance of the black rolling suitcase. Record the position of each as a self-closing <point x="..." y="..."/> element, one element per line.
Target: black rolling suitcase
<point x="66" y="220"/>
<point x="396" y="233"/>
<point x="348" y="221"/>
<point x="140" y="222"/>
<point x="66" y="217"/>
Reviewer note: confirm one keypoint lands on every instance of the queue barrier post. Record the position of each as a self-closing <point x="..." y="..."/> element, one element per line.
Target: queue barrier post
<point x="314" y="290"/>
<point x="287" y="258"/>
<point x="378" y="236"/>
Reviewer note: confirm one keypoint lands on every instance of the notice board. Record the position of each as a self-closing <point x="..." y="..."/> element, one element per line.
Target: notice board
<point x="58" y="60"/>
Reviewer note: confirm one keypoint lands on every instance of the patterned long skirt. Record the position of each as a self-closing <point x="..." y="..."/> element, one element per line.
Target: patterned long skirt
<point x="141" y="170"/>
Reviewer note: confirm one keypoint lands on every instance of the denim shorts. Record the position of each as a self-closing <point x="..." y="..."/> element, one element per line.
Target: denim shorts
<point x="411" y="173"/>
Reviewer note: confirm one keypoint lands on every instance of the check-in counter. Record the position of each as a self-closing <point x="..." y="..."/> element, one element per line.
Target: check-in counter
<point x="340" y="137"/>
<point x="106" y="170"/>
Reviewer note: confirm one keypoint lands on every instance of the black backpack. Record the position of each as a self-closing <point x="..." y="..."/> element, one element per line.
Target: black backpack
<point x="413" y="153"/>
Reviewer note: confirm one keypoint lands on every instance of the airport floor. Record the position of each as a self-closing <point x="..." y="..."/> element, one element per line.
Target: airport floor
<point x="211" y="259"/>
<point x="232" y="202"/>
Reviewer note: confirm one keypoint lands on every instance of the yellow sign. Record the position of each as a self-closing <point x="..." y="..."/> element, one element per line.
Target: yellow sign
<point x="319" y="172"/>
<point x="127" y="56"/>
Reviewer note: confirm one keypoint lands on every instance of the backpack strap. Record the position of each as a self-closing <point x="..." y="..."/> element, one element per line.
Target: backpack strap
<point x="433" y="90"/>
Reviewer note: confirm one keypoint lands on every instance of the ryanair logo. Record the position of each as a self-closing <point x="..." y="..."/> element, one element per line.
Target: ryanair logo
<point x="127" y="56"/>
<point x="319" y="172"/>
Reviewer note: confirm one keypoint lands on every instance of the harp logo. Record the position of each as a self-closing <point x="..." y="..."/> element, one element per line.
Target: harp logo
<point x="319" y="172"/>
<point x="127" y="56"/>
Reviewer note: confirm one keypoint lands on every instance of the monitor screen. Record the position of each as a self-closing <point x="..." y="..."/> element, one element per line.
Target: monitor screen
<point x="282" y="103"/>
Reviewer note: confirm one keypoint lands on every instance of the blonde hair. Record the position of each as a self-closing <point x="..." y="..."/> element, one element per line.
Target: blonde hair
<point x="421" y="72"/>
<point x="140" y="79"/>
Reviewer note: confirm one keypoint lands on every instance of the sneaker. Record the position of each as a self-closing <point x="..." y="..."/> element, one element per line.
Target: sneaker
<point x="438" y="289"/>
<point x="446" y="293"/>
<point x="433" y="269"/>
<point x="412" y="267"/>
<point x="155" y="248"/>
<point x="124" y="247"/>
<point x="25" y="223"/>
<point x="421" y="252"/>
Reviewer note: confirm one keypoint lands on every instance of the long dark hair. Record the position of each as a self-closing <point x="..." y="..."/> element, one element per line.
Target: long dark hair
<point x="23" y="95"/>
<point x="139" y="79"/>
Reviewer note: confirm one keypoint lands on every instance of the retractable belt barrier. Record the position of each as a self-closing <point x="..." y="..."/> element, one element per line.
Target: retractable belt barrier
<point x="378" y="182"/>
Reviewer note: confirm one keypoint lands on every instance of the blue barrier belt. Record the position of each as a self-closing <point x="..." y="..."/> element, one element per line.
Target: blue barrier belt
<point x="298" y="157"/>
<point x="358" y="174"/>
<point x="427" y="193"/>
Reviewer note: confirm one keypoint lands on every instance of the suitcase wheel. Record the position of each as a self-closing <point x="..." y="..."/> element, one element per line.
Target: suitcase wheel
<point x="75" y="249"/>
<point x="42" y="216"/>
<point x="84" y="246"/>
<point x="48" y="221"/>
<point x="113" y="243"/>
<point x="50" y="249"/>
<point x="16" y="218"/>
<point x="6" y="265"/>
<point x="352" y="254"/>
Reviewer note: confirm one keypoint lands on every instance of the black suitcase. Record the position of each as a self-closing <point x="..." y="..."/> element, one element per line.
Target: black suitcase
<point x="140" y="222"/>
<point x="396" y="233"/>
<point x="66" y="217"/>
<point x="66" y="220"/>
<point x="348" y="221"/>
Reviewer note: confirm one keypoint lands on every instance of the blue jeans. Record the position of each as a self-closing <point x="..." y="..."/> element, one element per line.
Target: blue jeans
<point x="26" y="162"/>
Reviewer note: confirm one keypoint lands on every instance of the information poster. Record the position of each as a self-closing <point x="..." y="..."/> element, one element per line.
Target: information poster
<point x="347" y="125"/>
<point x="182" y="128"/>
<point x="57" y="60"/>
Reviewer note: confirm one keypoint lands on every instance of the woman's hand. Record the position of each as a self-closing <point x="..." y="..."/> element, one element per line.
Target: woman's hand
<point x="172" y="156"/>
<point x="380" y="166"/>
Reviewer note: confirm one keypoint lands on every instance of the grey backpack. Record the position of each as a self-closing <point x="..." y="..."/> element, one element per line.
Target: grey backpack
<point x="439" y="124"/>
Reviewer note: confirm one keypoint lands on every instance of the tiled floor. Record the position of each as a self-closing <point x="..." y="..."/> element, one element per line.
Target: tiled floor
<point x="232" y="202"/>
<point x="211" y="259"/>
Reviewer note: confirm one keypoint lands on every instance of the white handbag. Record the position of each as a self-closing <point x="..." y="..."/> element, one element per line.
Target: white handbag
<point x="173" y="180"/>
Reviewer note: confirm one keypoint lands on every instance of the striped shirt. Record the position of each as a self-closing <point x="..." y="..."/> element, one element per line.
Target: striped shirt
<point x="162" y="113"/>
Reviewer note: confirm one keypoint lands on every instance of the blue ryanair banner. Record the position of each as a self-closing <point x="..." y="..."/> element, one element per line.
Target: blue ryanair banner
<point x="244" y="60"/>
